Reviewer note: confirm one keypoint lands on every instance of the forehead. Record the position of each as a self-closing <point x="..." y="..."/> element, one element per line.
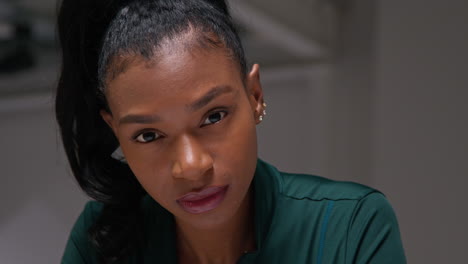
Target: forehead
<point x="175" y="75"/>
<point x="191" y="39"/>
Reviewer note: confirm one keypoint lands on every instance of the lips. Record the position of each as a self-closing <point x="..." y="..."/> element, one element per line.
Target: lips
<point x="206" y="200"/>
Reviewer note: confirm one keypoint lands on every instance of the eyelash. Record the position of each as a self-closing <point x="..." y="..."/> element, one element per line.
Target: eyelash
<point x="140" y="134"/>
<point x="213" y="113"/>
<point x="157" y="135"/>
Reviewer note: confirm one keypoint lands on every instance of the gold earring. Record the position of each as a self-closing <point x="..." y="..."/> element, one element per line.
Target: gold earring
<point x="263" y="112"/>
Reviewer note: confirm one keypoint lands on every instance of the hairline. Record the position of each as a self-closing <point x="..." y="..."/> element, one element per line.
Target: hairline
<point x="191" y="39"/>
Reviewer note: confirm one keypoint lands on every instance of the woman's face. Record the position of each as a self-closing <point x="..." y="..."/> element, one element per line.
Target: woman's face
<point x="186" y="125"/>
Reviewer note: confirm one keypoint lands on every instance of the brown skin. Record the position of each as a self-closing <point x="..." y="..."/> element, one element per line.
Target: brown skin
<point x="209" y="143"/>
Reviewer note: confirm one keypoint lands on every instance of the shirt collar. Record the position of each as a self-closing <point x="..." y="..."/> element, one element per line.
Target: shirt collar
<point x="266" y="190"/>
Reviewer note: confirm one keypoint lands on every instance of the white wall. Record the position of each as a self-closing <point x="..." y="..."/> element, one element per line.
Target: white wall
<point x="294" y="135"/>
<point x="401" y="117"/>
<point x="39" y="200"/>
<point x="420" y="124"/>
<point x="351" y="94"/>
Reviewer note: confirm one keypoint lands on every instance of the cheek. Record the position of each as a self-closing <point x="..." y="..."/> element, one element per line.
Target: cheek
<point x="244" y="133"/>
<point x="157" y="184"/>
<point x="239" y="148"/>
<point x="148" y="168"/>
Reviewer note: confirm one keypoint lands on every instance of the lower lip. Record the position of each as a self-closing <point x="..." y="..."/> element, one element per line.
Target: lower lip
<point x="204" y="205"/>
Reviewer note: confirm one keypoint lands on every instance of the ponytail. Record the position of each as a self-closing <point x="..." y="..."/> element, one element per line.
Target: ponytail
<point x="87" y="140"/>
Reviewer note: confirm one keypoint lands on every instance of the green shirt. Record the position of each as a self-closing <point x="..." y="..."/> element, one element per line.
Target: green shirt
<point x="298" y="219"/>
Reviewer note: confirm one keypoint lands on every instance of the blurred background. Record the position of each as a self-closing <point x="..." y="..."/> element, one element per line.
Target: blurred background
<point x="370" y="91"/>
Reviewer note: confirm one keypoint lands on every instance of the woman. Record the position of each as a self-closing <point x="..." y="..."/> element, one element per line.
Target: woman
<point x="157" y="111"/>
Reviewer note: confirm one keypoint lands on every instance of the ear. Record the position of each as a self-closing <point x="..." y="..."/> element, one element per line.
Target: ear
<point x="255" y="92"/>
<point x="107" y="117"/>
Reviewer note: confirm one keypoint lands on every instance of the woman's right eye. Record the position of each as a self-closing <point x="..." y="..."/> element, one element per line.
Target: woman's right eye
<point x="147" y="137"/>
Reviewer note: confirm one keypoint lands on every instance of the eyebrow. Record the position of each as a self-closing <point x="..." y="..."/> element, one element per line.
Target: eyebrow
<point x="140" y="119"/>
<point x="196" y="105"/>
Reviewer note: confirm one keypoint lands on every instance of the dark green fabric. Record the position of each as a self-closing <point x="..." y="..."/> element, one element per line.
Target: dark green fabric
<point x="299" y="219"/>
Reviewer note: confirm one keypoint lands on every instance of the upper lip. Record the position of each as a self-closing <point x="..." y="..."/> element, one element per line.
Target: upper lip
<point x="205" y="192"/>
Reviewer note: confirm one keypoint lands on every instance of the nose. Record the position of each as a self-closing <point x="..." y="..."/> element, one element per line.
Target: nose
<point x="191" y="161"/>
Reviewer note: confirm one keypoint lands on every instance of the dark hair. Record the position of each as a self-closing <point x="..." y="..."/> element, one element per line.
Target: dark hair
<point x="92" y="33"/>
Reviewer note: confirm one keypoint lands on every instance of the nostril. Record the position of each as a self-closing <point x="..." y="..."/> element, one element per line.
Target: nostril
<point x="191" y="160"/>
<point x="176" y="170"/>
<point x="194" y="170"/>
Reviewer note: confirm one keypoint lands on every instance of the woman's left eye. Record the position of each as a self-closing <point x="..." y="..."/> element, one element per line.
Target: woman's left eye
<point x="214" y="118"/>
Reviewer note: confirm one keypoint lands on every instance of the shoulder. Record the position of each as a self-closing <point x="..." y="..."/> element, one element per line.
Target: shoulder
<point x="93" y="209"/>
<point x="87" y="218"/>
<point x="79" y="248"/>
<point x="349" y="200"/>
<point x="295" y="188"/>
<point x="333" y="221"/>
<point x="341" y="200"/>
<point x="89" y="215"/>
<point x="312" y="187"/>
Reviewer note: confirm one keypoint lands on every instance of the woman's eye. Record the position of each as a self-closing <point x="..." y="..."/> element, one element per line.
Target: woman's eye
<point x="214" y="118"/>
<point x="146" y="137"/>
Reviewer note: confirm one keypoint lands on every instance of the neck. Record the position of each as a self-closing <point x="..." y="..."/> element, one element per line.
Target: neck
<point x="222" y="244"/>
